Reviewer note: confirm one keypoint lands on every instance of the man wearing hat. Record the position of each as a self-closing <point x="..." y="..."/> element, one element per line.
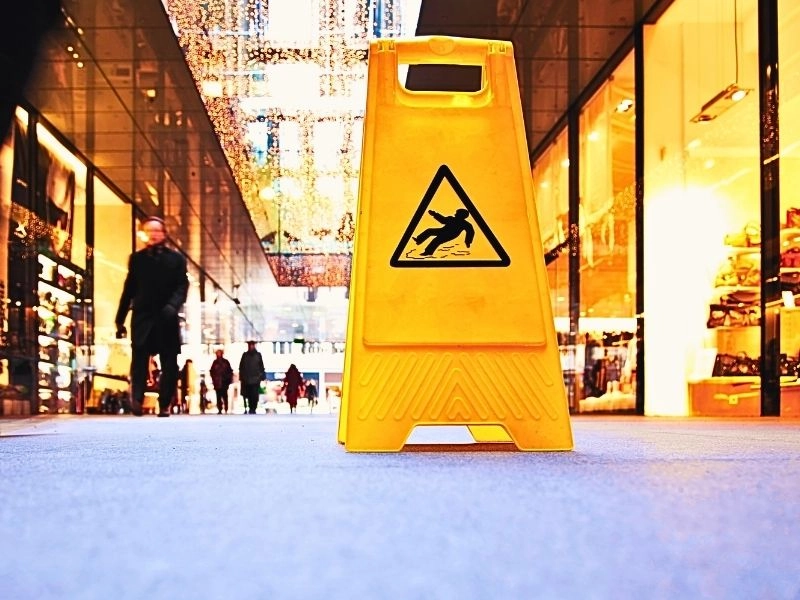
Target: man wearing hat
<point x="154" y="290"/>
<point x="251" y="372"/>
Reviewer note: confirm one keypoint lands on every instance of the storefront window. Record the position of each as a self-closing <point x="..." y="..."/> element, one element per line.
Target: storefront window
<point x="61" y="200"/>
<point x="551" y="192"/>
<point x="111" y="251"/>
<point x="192" y="322"/>
<point x="789" y="119"/>
<point x="57" y="224"/>
<point x="7" y="178"/>
<point x="701" y="204"/>
<point x="608" y="244"/>
<point x="15" y="372"/>
<point x="571" y="365"/>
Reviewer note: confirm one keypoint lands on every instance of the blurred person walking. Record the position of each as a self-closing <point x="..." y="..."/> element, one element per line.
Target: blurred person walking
<point x="292" y="386"/>
<point x="154" y="290"/>
<point x="221" y="379"/>
<point x="251" y="373"/>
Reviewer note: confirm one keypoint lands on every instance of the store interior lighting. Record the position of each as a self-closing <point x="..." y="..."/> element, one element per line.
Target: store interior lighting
<point x="732" y="94"/>
<point x="721" y="102"/>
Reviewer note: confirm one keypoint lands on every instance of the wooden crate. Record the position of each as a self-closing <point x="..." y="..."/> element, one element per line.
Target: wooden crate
<point x="739" y="397"/>
<point x="725" y="397"/>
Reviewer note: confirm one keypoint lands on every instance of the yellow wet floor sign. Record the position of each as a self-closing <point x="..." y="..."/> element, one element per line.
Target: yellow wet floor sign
<point x="450" y="320"/>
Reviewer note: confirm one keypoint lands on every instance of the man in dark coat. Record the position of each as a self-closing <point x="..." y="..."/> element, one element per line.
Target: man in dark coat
<point x="221" y="378"/>
<point x="251" y="374"/>
<point x="155" y="289"/>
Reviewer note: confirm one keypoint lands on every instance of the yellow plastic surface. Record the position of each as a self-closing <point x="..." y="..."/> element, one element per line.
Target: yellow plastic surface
<point x="441" y="332"/>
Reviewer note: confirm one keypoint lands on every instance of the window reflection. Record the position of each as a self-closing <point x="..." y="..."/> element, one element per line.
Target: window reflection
<point x="551" y="193"/>
<point x="701" y="189"/>
<point x="606" y="222"/>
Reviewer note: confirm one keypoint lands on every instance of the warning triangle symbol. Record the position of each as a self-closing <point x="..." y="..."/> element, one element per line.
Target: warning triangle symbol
<point x="448" y="231"/>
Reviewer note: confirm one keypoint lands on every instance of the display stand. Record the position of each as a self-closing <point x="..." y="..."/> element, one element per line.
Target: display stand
<point x="59" y="310"/>
<point x="739" y="394"/>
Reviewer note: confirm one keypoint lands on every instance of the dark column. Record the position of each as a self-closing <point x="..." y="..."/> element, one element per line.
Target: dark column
<point x="88" y="282"/>
<point x="770" y="207"/>
<point x="638" y="58"/>
<point x="573" y="149"/>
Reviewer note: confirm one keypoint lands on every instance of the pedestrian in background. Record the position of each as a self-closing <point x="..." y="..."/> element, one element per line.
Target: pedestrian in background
<point x="155" y="289"/>
<point x="188" y="379"/>
<point x="292" y="386"/>
<point x="311" y="394"/>
<point x="203" y="395"/>
<point x="251" y="373"/>
<point x="221" y="378"/>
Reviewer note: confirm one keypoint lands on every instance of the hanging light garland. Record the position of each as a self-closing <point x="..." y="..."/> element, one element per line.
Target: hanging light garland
<point x="253" y="78"/>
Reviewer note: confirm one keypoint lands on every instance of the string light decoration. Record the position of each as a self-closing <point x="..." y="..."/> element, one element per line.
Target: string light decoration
<point x="284" y="83"/>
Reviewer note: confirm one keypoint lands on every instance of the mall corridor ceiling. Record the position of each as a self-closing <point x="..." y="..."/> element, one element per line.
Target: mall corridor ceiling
<point x="560" y="47"/>
<point x="153" y="126"/>
<point x="115" y="84"/>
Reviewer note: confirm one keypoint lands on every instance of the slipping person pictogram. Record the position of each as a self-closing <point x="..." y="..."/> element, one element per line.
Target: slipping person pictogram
<point x="444" y="246"/>
<point x="451" y="228"/>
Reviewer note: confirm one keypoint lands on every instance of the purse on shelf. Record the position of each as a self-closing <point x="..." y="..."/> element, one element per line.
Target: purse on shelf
<point x="732" y="315"/>
<point x="789" y="366"/>
<point x="793" y="218"/>
<point x="748" y="237"/>
<point x="733" y="365"/>
<point x="740" y="270"/>
<point x="790" y="259"/>
<point x="741" y="298"/>
<point x="790" y="282"/>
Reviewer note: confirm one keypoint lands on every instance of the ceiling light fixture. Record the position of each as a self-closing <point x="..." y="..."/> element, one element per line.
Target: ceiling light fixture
<point x="624" y="105"/>
<point x="720" y="103"/>
<point x="732" y="94"/>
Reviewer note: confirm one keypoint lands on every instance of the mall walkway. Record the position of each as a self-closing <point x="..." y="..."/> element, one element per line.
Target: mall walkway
<point x="270" y="506"/>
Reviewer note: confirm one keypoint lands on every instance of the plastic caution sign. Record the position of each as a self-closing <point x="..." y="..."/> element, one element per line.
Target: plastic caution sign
<point x="450" y="320"/>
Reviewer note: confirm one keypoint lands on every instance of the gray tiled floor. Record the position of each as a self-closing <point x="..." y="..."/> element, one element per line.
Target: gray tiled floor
<point x="272" y="507"/>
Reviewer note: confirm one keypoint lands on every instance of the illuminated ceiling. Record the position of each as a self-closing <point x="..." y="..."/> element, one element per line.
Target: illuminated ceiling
<point x="284" y="82"/>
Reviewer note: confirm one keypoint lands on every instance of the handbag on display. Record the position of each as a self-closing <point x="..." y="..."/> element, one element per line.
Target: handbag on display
<point x="793" y="217"/>
<point x="741" y="298"/>
<point x="748" y="237"/>
<point x="790" y="259"/>
<point x="789" y="366"/>
<point x="732" y="365"/>
<point x="740" y="269"/>
<point x="790" y="282"/>
<point x="732" y="315"/>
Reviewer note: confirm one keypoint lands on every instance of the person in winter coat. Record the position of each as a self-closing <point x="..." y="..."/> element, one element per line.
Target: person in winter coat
<point x="221" y="379"/>
<point x="292" y="386"/>
<point x="155" y="289"/>
<point x="251" y="373"/>
<point x="311" y="393"/>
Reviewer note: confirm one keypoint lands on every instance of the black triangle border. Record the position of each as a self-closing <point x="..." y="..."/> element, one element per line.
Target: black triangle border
<point x="443" y="173"/>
